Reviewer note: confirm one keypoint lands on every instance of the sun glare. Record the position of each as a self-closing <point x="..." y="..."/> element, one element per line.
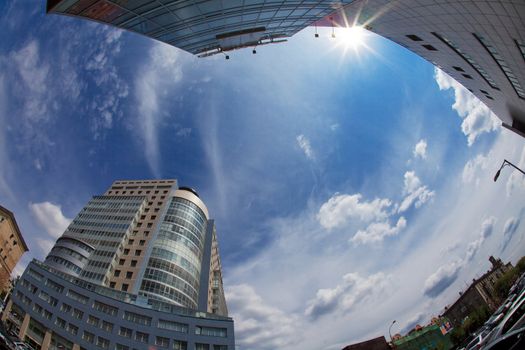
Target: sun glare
<point x="352" y="37"/>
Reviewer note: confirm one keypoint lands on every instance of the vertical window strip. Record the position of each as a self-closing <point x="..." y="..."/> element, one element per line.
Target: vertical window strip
<point x="502" y="65"/>
<point x="521" y="47"/>
<point x="468" y="59"/>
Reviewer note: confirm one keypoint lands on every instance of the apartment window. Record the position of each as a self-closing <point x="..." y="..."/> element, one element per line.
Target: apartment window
<point x="125" y="332"/>
<point x="121" y="262"/>
<point x="142" y="242"/>
<point x="199" y="346"/>
<point x="467" y="76"/>
<point x="60" y="322"/>
<point x="137" y="318"/>
<point x="121" y="347"/>
<point x="126" y="251"/>
<point x="172" y="326"/>
<point x="129" y="274"/>
<point x="211" y="331"/>
<point x="77" y="314"/>
<point x="124" y="287"/>
<point x="117" y="273"/>
<point x="65" y="308"/>
<point x="150" y="224"/>
<point x="112" y="285"/>
<point x="92" y="320"/>
<point x="162" y="342"/>
<point x="141" y="337"/>
<point x="89" y="337"/>
<point x="102" y="343"/>
<point x="483" y="91"/>
<point x="107" y="326"/>
<point x="133" y="263"/>
<point x="180" y="345"/>
<point x="71" y="328"/>
<point x="131" y="241"/>
<point x="220" y="347"/>
<point x="414" y="37"/>
<point x="138" y="252"/>
<point x="459" y="69"/>
<point x="105" y="308"/>
<point x="142" y="217"/>
<point x="489" y="97"/>
<point x="77" y="296"/>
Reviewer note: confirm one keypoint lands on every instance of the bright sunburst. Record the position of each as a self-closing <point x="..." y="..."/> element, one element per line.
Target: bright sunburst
<point x="352" y="37"/>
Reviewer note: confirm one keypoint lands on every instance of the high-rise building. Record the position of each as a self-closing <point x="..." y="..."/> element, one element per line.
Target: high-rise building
<point x="139" y="266"/>
<point x="481" y="44"/>
<point x="12" y="247"/>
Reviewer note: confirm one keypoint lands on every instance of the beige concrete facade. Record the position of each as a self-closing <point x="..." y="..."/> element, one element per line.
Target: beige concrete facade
<point x="12" y="247"/>
<point x="157" y="192"/>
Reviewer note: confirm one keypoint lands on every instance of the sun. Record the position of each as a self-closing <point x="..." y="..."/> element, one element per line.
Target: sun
<point x="350" y="37"/>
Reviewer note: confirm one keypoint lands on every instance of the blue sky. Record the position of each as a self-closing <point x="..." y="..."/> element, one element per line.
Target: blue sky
<point x="350" y="188"/>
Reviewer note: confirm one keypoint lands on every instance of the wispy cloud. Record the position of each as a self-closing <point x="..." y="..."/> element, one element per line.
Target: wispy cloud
<point x="344" y="297"/>
<point x="420" y="150"/>
<point x="447" y="274"/>
<point x="159" y="73"/>
<point x="304" y="144"/>
<point x="510" y="228"/>
<point x="477" y="118"/>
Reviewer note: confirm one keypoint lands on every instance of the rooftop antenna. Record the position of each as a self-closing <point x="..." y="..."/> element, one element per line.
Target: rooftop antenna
<point x="316" y="34"/>
<point x="333" y="27"/>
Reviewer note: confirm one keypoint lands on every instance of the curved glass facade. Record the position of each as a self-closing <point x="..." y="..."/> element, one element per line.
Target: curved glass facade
<point x="69" y="255"/>
<point x="174" y="265"/>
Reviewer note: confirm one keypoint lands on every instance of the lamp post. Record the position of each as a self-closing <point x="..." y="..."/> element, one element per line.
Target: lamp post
<point x="389" y="328"/>
<point x="505" y="163"/>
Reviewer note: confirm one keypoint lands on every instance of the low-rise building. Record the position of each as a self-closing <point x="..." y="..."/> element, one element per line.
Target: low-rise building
<point x="12" y="247"/>
<point x="479" y="294"/>
<point x="378" y="343"/>
<point x="429" y="337"/>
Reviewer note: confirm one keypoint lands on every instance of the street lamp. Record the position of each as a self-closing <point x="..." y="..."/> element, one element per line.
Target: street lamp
<point x="506" y="162"/>
<point x="389" y="328"/>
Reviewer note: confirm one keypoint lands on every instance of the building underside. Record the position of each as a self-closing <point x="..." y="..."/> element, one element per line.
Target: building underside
<point x="481" y="44"/>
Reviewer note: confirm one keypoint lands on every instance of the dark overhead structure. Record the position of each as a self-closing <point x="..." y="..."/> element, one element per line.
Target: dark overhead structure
<point x="481" y="44"/>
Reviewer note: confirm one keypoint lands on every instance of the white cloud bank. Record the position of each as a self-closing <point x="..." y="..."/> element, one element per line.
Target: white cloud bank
<point x="340" y="208"/>
<point x="50" y="217"/>
<point x="377" y="231"/>
<point x="477" y="118"/>
<point x="416" y="194"/>
<point x="258" y="325"/>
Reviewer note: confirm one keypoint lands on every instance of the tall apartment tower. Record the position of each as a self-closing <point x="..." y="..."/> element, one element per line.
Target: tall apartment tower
<point x="139" y="266"/>
<point x="12" y="247"/>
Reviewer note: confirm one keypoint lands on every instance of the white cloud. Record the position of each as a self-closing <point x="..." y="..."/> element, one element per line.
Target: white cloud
<point x="414" y="192"/>
<point x="343" y="297"/>
<point x="304" y="144"/>
<point x="258" y="325"/>
<point x="477" y="118"/>
<point x="377" y="231"/>
<point x="341" y="207"/>
<point x="50" y="217"/>
<point x="440" y="280"/>
<point x="159" y="73"/>
<point x="420" y="150"/>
